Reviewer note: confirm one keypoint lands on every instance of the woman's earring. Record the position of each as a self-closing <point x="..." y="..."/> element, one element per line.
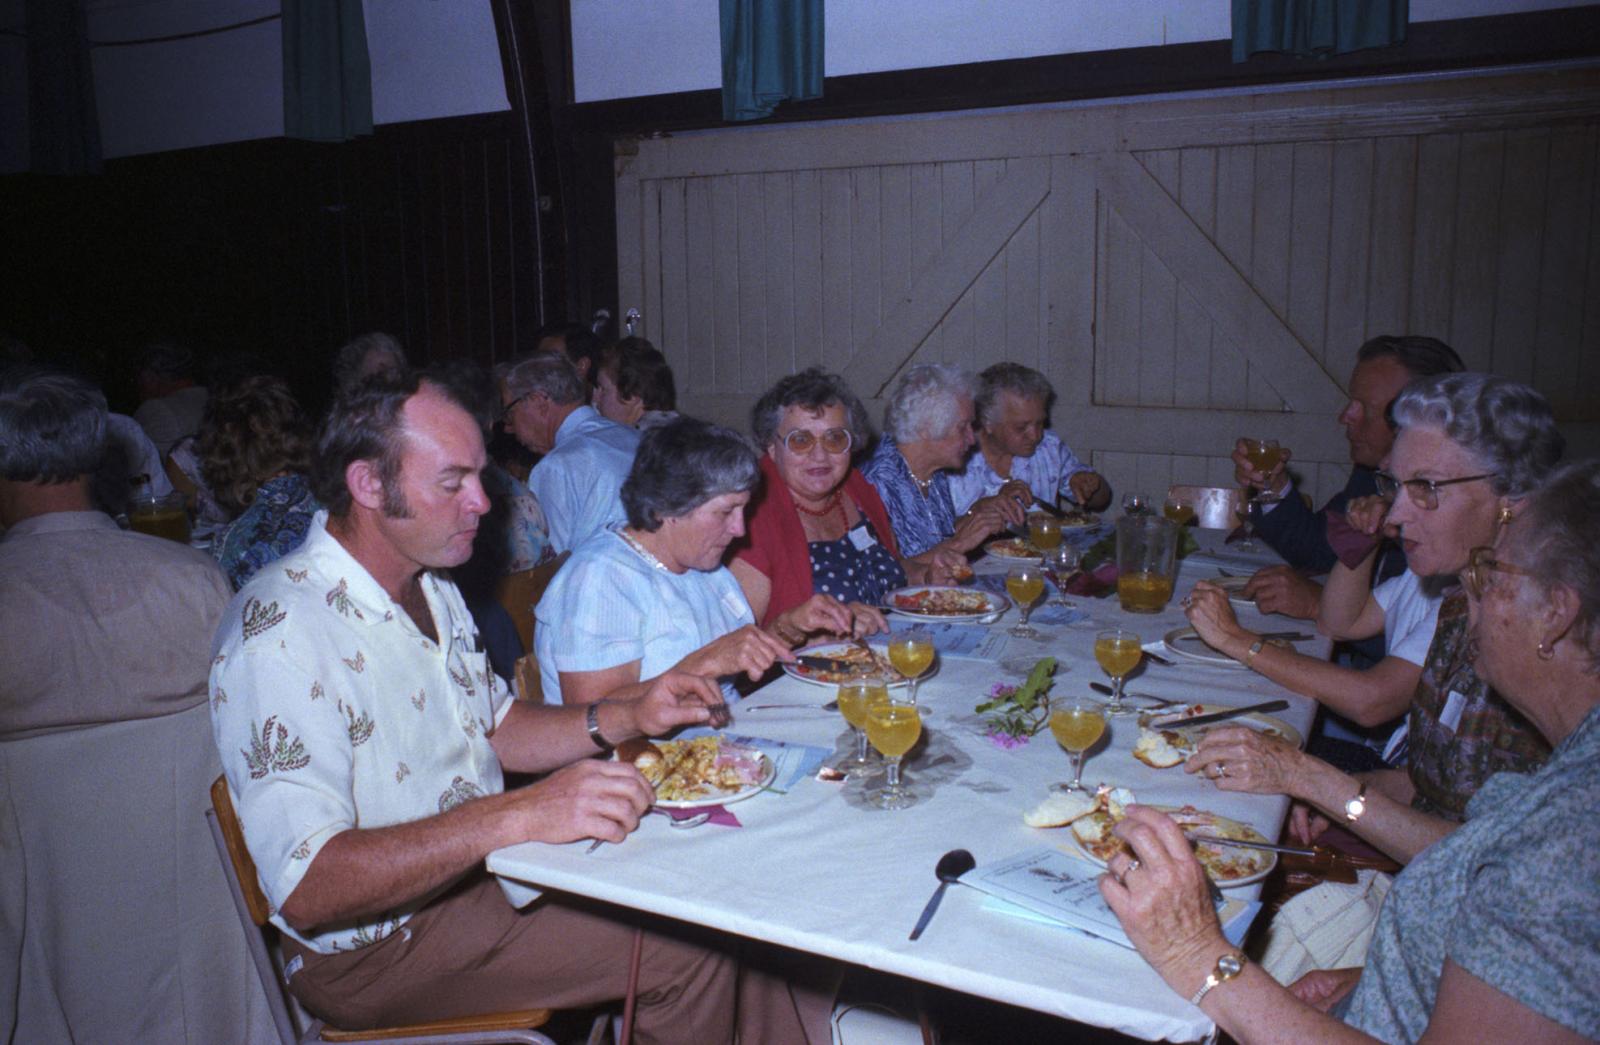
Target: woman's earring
<point x="1546" y="651"/>
<point x="1505" y="514"/>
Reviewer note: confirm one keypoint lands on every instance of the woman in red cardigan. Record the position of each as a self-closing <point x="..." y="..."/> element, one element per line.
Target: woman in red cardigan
<point x="817" y="528"/>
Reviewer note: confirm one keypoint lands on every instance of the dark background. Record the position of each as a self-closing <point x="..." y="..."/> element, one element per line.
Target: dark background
<point x="461" y="236"/>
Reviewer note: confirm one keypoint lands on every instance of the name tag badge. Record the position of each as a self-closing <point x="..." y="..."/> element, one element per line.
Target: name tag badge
<point x="861" y="538"/>
<point x="1454" y="706"/>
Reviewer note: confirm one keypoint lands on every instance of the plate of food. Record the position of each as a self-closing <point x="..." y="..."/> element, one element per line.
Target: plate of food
<point x="945" y="604"/>
<point x="1013" y="549"/>
<point x="856" y="660"/>
<point x="699" y="772"/>
<point x="1078" y="519"/>
<point x="1169" y="744"/>
<point x="1187" y="644"/>
<point x="1092" y="818"/>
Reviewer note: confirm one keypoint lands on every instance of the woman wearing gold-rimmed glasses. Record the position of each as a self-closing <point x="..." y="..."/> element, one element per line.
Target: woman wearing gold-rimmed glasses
<point x="1491" y="934"/>
<point x="817" y="527"/>
<point x="1470" y="448"/>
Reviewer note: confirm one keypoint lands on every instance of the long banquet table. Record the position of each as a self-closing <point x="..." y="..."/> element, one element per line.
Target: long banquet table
<point x="820" y="870"/>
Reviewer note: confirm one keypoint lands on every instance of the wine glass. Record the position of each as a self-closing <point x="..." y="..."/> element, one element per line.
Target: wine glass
<point x="1077" y="727"/>
<point x="1024" y="584"/>
<point x="1263" y="455"/>
<point x="855" y="697"/>
<point x="1119" y="652"/>
<point x="1044" y="532"/>
<point x="1135" y="503"/>
<point x="1062" y="563"/>
<point x="1179" y="509"/>
<point x="893" y="727"/>
<point x="911" y="653"/>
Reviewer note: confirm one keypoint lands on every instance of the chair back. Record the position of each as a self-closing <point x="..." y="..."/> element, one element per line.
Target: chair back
<point x="1215" y="507"/>
<point x="249" y="902"/>
<point x="519" y="593"/>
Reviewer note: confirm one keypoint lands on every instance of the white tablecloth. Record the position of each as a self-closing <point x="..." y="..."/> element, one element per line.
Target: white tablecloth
<point x="820" y="870"/>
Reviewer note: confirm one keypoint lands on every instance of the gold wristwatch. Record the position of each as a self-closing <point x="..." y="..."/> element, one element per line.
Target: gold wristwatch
<point x="1228" y="966"/>
<point x="1357" y="805"/>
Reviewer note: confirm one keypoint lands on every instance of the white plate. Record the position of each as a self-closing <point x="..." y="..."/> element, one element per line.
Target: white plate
<point x="997" y="603"/>
<point x="768" y="772"/>
<point x="1268" y="863"/>
<point x="833" y="649"/>
<point x="1006" y="550"/>
<point x="1180" y="645"/>
<point x="1270" y="724"/>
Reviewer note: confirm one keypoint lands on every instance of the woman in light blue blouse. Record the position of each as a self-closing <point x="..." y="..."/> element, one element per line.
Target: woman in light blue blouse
<point x="927" y="435"/>
<point x="636" y="600"/>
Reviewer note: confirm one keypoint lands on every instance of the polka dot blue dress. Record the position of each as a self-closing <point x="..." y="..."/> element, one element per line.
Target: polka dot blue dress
<point x="856" y="567"/>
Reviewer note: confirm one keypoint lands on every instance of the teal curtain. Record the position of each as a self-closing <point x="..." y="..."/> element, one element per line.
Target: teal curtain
<point x="327" y="80"/>
<point x="1316" y="27"/>
<point x="63" y="127"/>
<point x="771" y="52"/>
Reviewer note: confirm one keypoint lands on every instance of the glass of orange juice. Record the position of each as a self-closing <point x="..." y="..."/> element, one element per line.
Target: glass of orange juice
<point x="893" y="727"/>
<point x="1044" y="532"/>
<point x="1179" y="509"/>
<point x="1118" y="652"/>
<point x="1147" y="549"/>
<point x="1077" y="726"/>
<point x="855" y="697"/>
<point x="911" y="653"/>
<point x="1025" y="584"/>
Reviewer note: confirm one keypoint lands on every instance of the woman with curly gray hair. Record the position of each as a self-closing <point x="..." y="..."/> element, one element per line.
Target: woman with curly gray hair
<point x="1490" y="934"/>
<point x="928" y="434"/>
<point x="818" y="528"/>
<point x="1470" y="450"/>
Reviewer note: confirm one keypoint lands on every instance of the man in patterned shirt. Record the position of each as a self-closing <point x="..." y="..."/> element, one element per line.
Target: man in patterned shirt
<point x="364" y="736"/>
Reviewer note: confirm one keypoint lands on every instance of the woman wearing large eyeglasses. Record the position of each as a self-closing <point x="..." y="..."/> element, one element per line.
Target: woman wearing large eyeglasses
<point x="1493" y="934"/>
<point x="1470" y="449"/>
<point x="817" y="527"/>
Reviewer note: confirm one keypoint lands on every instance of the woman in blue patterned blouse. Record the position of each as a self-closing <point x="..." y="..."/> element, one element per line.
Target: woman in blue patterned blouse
<point x="927" y="434"/>
<point x="255" y="449"/>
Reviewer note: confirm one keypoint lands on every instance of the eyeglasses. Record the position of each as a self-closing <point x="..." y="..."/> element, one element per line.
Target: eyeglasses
<point x="1481" y="566"/>
<point x="505" y="411"/>
<point x="834" y="441"/>
<point x="1424" y="493"/>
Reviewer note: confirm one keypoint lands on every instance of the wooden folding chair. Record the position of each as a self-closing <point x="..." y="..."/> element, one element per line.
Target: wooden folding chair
<point x="251" y="904"/>
<point x="519" y="593"/>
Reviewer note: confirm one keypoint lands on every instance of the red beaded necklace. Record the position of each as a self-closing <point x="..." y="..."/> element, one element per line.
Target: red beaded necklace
<point x="836" y="501"/>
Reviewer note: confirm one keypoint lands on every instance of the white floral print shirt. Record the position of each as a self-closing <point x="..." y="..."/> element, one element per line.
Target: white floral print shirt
<point x="333" y="711"/>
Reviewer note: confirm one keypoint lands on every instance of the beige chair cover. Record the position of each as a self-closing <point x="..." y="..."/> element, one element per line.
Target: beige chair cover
<point x="116" y="924"/>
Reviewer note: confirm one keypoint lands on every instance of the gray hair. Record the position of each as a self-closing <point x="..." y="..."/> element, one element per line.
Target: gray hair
<point x="681" y="465"/>
<point x="350" y="362"/>
<point x="1505" y="424"/>
<point x="550" y="374"/>
<point x="925" y="402"/>
<point x="52" y="425"/>
<point x="1009" y="377"/>
<point x="1556" y="531"/>
<point x="810" y="389"/>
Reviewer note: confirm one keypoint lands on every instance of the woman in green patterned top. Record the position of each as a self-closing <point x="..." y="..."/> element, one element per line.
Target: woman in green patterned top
<point x="1493" y="934"/>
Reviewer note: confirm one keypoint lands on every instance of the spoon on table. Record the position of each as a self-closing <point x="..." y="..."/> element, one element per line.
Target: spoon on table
<point x="950" y="867"/>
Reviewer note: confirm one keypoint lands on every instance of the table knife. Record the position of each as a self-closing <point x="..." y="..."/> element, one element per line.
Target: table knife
<point x="1244" y="844"/>
<point x="1219" y="716"/>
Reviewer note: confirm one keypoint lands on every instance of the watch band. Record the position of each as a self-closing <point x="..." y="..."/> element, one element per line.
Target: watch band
<point x="1255" y="647"/>
<point x="592" y="722"/>
<point x="1357" y="805"/>
<point x="1228" y="966"/>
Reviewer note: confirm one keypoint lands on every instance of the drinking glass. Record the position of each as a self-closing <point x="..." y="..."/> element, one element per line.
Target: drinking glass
<point x="1119" y="652"/>
<point x="1077" y="727"/>
<point x="1044" y="533"/>
<point x="159" y="516"/>
<point x="1062" y="563"/>
<point x="911" y="653"/>
<point x="1024" y="584"/>
<point x="1263" y="455"/>
<point x="893" y="727"/>
<point x="1147" y="549"/>
<point x="1134" y="503"/>
<point x="855" y="697"/>
<point x="1179" y="509"/>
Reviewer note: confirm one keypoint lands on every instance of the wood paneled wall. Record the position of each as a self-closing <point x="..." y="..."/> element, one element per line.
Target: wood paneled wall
<point x="1185" y="270"/>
